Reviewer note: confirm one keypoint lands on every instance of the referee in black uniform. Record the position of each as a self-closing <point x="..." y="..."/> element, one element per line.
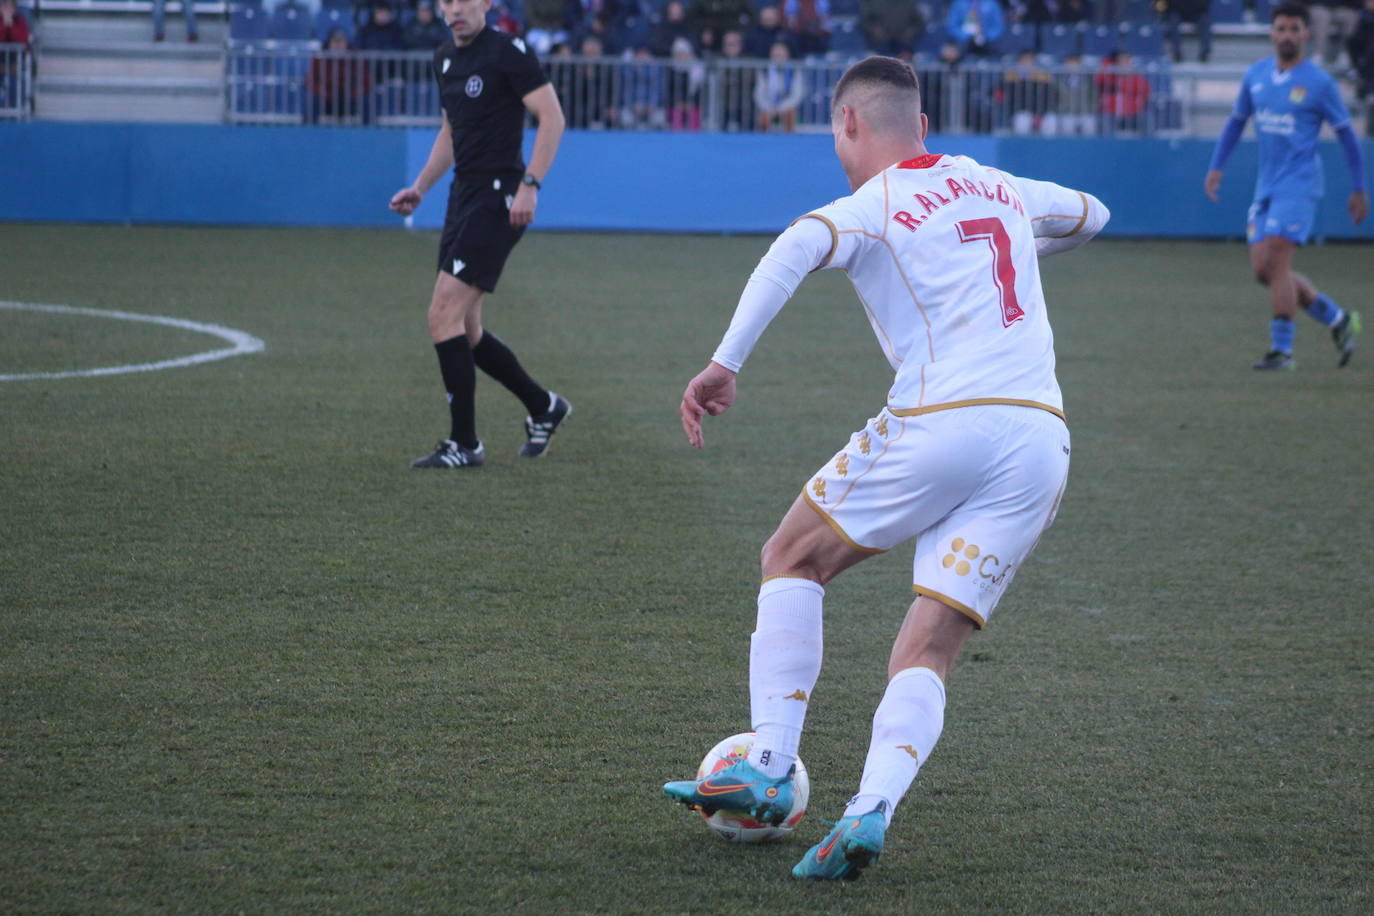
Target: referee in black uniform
<point x="487" y="80"/>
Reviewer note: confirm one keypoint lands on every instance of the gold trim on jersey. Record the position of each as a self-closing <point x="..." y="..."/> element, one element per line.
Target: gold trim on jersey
<point x="974" y="402"/>
<point x="835" y="526"/>
<point x="946" y="600"/>
<point x="834" y="238"/>
<point x="1077" y="226"/>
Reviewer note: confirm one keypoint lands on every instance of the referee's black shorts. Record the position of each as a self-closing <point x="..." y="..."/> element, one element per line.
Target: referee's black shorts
<point x="478" y="236"/>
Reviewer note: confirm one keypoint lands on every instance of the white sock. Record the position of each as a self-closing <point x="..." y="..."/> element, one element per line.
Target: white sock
<point x="906" y="726"/>
<point x="784" y="662"/>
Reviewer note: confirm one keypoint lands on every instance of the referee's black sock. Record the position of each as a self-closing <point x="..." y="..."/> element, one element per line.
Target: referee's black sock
<point x="460" y="381"/>
<point x="496" y="359"/>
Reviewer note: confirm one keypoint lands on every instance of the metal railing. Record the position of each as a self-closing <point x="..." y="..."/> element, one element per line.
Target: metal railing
<point x="286" y="83"/>
<point x="16" y="81"/>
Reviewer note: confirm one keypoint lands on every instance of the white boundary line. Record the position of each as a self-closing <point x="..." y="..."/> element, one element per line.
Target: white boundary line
<point x="242" y="343"/>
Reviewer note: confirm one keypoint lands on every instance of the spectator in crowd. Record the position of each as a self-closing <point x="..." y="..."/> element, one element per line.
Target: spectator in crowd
<point x="188" y="9"/>
<point x="809" y="21"/>
<point x="708" y="43"/>
<point x="1122" y="93"/>
<point x="382" y="32"/>
<point x="937" y="86"/>
<point x="1076" y="101"/>
<point x="736" y="84"/>
<point x="890" y="27"/>
<point x="1032" y="12"/>
<point x="672" y="26"/>
<point x="1027" y="95"/>
<point x="14" y="29"/>
<point x="1332" y="22"/>
<point x="721" y="15"/>
<point x="426" y="31"/>
<point x="778" y="90"/>
<point x="338" y="83"/>
<point x="1198" y="12"/>
<point x="602" y="27"/>
<point x="686" y="75"/>
<point x="759" y="40"/>
<point x="590" y="91"/>
<point x="975" y="25"/>
<point x="1361" y="49"/>
<point x="1073" y="12"/>
<point x="641" y="91"/>
<point x="544" y="21"/>
<point x="506" y="20"/>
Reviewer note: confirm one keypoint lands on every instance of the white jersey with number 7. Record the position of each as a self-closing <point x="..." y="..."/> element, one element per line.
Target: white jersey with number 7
<point x="942" y="252"/>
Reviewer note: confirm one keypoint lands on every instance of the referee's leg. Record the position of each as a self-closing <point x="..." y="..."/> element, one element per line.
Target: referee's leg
<point x="451" y="308"/>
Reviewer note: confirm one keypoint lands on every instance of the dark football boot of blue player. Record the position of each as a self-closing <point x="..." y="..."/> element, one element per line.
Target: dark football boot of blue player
<point x="1343" y="334"/>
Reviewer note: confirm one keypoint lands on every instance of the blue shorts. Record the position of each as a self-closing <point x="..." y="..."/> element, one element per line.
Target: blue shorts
<point x="1287" y="217"/>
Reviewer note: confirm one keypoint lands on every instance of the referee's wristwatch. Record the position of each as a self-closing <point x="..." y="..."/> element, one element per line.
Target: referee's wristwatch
<point x="531" y="181"/>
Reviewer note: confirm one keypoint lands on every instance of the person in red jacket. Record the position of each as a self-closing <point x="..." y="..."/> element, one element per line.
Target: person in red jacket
<point x="14" y="31"/>
<point x="1122" y="92"/>
<point x="338" y="82"/>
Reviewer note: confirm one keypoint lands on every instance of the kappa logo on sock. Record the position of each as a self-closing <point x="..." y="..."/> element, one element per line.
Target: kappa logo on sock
<point x="797" y="694"/>
<point x="910" y="750"/>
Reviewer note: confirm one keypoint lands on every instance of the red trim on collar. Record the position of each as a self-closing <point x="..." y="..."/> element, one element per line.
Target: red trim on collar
<point x="921" y="162"/>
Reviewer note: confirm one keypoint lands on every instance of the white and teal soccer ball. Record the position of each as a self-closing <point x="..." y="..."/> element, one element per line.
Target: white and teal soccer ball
<point x="736" y="826"/>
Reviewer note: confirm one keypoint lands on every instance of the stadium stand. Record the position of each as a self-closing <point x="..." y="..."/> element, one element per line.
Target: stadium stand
<point x="1059" y="40"/>
<point x="292" y="22"/>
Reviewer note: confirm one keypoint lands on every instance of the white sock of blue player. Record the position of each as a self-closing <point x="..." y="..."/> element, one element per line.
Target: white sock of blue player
<point x="906" y="726"/>
<point x="784" y="662"/>
<point x="1324" y="309"/>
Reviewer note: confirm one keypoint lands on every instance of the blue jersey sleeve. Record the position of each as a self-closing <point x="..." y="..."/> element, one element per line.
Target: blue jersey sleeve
<point x="1245" y="107"/>
<point x="1332" y="108"/>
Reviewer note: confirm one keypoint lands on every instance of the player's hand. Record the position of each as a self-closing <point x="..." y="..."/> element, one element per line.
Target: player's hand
<point x="522" y="208"/>
<point x="406" y="200"/>
<point x="712" y="391"/>
<point x="1358" y="207"/>
<point x="1212" y="185"/>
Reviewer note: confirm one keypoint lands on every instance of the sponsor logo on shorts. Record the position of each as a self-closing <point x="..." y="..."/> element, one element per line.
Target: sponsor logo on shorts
<point x="865" y="443"/>
<point x="961" y="559"/>
<point x="474" y="86"/>
<point x="818" y="488"/>
<point x="881" y="427"/>
<point x="842" y="465"/>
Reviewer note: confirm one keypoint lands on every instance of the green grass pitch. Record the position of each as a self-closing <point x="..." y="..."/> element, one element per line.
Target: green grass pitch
<point x="251" y="662"/>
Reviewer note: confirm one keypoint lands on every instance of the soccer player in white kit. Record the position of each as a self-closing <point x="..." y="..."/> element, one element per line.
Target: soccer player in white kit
<point x="969" y="454"/>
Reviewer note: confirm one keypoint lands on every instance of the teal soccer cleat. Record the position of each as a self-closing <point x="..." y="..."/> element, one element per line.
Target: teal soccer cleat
<point x="738" y="787"/>
<point x="854" y="844"/>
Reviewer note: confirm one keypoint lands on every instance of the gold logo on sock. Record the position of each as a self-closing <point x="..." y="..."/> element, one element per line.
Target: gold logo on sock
<point x="910" y="750"/>
<point x="797" y="694"/>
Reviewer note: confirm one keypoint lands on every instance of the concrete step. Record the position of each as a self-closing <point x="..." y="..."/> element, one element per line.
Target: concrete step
<point x="85" y="106"/>
<point x="125" y="28"/>
<point x="97" y="62"/>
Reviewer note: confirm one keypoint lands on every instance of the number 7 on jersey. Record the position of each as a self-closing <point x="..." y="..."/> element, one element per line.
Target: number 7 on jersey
<point x="991" y="230"/>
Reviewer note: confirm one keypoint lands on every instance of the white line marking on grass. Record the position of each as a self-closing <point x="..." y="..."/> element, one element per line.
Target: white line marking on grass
<point x="242" y="343"/>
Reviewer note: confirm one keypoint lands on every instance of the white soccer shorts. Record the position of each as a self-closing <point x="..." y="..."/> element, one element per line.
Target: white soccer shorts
<point x="976" y="486"/>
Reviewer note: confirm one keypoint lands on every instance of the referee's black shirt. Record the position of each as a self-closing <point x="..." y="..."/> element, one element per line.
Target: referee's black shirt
<point x="481" y="86"/>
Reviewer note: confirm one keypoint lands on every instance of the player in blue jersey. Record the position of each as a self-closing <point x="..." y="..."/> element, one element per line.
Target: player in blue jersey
<point x="1289" y="98"/>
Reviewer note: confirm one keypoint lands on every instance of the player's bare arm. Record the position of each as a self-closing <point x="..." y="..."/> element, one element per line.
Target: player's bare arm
<point x="1212" y="185"/>
<point x="711" y="392"/>
<point x="543" y="104"/>
<point x="1358" y="207"/>
<point x="440" y="161"/>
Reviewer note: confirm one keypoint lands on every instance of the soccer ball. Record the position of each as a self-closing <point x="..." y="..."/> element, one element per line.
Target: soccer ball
<point x="738" y="827"/>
